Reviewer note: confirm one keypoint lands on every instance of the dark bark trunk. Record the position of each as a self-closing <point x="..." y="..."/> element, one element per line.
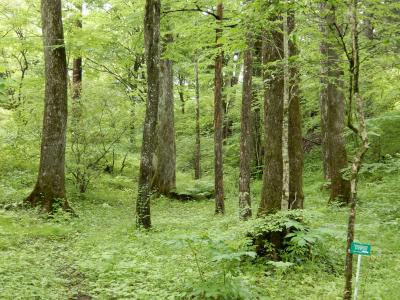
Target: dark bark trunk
<point x="50" y="187"/>
<point x="245" y="135"/>
<point x="165" y="177"/>
<point x="296" y="155"/>
<point x="256" y="121"/>
<point x="147" y="168"/>
<point x="333" y="113"/>
<point x="273" y="106"/>
<point x="77" y="65"/>
<point x="181" y="92"/>
<point x="197" y="152"/>
<point x="218" y="120"/>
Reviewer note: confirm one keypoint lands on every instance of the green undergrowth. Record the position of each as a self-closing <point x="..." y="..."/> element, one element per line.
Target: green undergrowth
<point x="190" y="253"/>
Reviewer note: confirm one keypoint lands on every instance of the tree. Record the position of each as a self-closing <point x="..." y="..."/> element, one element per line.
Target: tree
<point x="165" y="177"/>
<point x="256" y="119"/>
<point x="77" y="62"/>
<point x="197" y="152"/>
<point x="285" y="125"/>
<point x="272" y="52"/>
<point x="295" y="143"/>
<point x="49" y="190"/>
<point x="152" y="52"/>
<point x="362" y="135"/>
<point x="218" y="119"/>
<point x="333" y="110"/>
<point x="245" y="134"/>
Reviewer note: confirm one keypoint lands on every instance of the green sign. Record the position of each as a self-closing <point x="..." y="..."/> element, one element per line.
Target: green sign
<point x="361" y="249"/>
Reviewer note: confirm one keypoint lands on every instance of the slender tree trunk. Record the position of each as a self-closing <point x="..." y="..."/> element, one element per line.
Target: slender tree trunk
<point x="181" y="91"/>
<point x="218" y="120"/>
<point x="296" y="153"/>
<point x="197" y="153"/>
<point x="333" y="113"/>
<point x="245" y="135"/>
<point x="77" y="63"/>
<point x="165" y="177"/>
<point x="361" y="132"/>
<point x="49" y="190"/>
<point x="285" y="125"/>
<point x="256" y="134"/>
<point x="256" y="121"/>
<point x="271" y="196"/>
<point x="147" y="169"/>
<point x="81" y="180"/>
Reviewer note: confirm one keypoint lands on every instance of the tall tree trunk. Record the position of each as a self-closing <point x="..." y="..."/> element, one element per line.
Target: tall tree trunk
<point x="333" y="112"/>
<point x="361" y="133"/>
<point x="165" y="177"/>
<point x="285" y="125"/>
<point x="218" y="120"/>
<point x="245" y="134"/>
<point x="81" y="178"/>
<point x="256" y="121"/>
<point x="49" y="190"/>
<point x="296" y="155"/>
<point x="271" y="196"/>
<point x="77" y="63"/>
<point x="152" y="52"/>
<point x="197" y="152"/>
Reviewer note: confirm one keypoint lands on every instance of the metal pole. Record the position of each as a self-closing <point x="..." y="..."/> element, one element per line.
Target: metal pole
<point x="357" y="276"/>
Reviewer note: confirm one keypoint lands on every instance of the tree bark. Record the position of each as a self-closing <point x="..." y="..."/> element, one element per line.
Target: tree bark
<point x="218" y="120"/>
<point x="77" y="63"/>
<point x="333" y="112"/>
<point x="361" y="133"/>
<point x="181" y="92"/>
<point x="197" y="152"/>
<point x="273" y="113"/>
<point x="256" y="121"/>
<point x="296" y="153"/>
<point x="147" y="168"/>
<point x="49" y="190"/>
<point x="165" y="177"/>
<point x="285" y="125"/>
<point x="245" y="135"/>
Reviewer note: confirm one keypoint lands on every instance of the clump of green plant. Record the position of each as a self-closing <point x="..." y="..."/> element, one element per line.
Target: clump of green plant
<point x="284" y="236"/>
<point x="219" y="265"/>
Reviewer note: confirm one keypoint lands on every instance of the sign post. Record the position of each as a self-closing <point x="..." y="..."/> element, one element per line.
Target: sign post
<point x="359" y="249"/>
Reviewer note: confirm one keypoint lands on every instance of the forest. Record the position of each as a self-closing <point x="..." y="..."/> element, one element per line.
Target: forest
<point x="197" y="149"/>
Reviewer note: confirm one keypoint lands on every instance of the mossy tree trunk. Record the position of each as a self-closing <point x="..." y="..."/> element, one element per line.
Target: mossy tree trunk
<point x="49" y="190"/>
<point x="285" y="125"/>
<point x="165" y="176"/>
<point x="147" y="168"/>
<point x="271" y="195"/>
<point x="296" y="154"/>
<point x="218" y="119"/>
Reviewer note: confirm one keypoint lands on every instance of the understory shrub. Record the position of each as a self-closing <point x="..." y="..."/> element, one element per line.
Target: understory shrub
<point x="285" y="236"/>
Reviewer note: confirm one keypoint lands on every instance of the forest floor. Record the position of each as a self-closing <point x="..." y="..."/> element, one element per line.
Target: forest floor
<point x="101" y="254"/>
<point x="189" y="251"/>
